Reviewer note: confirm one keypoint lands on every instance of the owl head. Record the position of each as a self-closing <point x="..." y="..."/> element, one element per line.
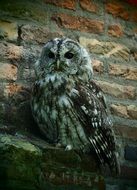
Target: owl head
<point x="63" y="56"/>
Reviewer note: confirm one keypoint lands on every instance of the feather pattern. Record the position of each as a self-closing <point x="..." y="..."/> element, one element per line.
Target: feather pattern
<point x="68" y="105"/>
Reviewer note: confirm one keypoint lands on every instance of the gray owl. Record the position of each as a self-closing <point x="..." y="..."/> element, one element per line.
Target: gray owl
<point x="68" y="106"/>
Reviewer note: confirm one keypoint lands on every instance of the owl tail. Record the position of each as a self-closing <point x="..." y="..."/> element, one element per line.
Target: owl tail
<point x="104" y="148"/>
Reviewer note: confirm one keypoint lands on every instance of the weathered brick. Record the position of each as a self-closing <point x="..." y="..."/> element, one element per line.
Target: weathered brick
<point x="38" y="34"/>
<point x="133" y="16"/>
<point x="128" y="172"/>
<point x="8" y="30"/>
<point x="127" y="111"/>
<point x="3" y="50"/>
<point x="107" y="49"/>
<point x="134" y="51"/>
<point x="11" y="89"/>
<point x="119" y="110"/>
<point x="97" y="66"/>
<point x="9" y="51"/>
<point x="14" y="52"/>
<point x="115" y="30"/>
<point x="79" y="23"/>
<point x="8" y="71"/>
<point x="117" y="10"/>
<point x="88" y="5"/>
<point x="131" y="153"/>
<point x="125" y="71"/>
<point x="26" y="10"/>
<point x="128" y="132"/>
<point x="117" y="90"/>
<point x="28" y="74"/>
<point x="133" y="2"/>
<point x="17" y="92"/>
<point x="62" y="3"/>
<point x="132" y="111"/>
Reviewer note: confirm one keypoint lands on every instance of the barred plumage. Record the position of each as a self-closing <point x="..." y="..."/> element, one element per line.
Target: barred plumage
<point x="68" y="105"/>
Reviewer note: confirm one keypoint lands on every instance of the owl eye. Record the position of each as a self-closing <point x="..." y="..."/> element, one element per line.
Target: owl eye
<point x="68" y="55"/>
<point x="51" y="55"/>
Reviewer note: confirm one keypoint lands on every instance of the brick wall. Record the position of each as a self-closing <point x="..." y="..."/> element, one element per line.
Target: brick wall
<point x="108" y="29"/>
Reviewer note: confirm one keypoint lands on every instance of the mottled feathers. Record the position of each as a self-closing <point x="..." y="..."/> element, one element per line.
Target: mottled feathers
<point x="68" y="105"/>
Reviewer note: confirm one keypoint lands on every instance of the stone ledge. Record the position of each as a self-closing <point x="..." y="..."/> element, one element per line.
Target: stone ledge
<point x="44" y="166"/>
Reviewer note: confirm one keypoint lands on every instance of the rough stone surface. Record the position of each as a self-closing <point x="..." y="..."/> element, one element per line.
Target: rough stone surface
<point x="62" y="3"/>
<point x="8" y="71"/>
<point x="126" y="132"/>
<point x="131" y="153"/>
<point x="117" y="10"/>
<point x="119" y="110"/>
<point x="133" y="16"/>
<point x="131" y="172"/>
<point x="37" y="34"/>
<point x="24" y="10"/>
<point x="132" y="111"/>
<point x="127" y="111"/>
<point x="54" y="165"/>
<point x="125" y="71"/>
<point x="107" y="49"/>
<point x="88" y="5"/>
<point x="14" y="52"/>
<point x="17" y="91"/>
<point x="115" y="30"/>
<point x="117" y="90"/>
<point x="79" y="23"/>
<point x="8" y="30"/>
<point x="97" y="66"/>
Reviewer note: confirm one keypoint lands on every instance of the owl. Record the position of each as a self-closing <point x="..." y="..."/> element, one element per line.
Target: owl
<point x="67" y="104"/>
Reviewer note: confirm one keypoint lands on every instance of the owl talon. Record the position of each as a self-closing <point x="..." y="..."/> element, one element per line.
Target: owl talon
<point x="68" y="147"/>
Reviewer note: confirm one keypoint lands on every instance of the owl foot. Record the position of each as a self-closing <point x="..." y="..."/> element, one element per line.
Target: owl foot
<point x="68" y="147"/>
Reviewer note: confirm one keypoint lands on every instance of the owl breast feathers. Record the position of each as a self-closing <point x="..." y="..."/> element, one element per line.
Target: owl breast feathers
<point x="68" y="106"/>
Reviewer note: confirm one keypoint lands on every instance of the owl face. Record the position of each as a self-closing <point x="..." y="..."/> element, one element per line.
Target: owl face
<point x="64" y="56"/>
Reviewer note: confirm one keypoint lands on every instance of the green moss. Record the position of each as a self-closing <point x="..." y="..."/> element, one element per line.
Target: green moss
<point x="23" y="9"/>
<point x="21" y="161"/>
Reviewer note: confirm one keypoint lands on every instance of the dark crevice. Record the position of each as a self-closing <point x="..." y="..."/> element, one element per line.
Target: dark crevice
<point x="19" y="38"/>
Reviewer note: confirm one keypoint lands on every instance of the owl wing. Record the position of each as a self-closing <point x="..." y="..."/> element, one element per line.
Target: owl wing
<point x="92" y="113"/>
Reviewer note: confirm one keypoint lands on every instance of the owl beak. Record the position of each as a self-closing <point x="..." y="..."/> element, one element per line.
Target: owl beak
<point x="58" y="64"/>
<point x="57" y="68"/>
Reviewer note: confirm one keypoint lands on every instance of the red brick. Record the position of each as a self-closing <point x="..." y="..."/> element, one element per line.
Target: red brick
<point x="88" y="5"/>
<point x="10" y="51"/>
<point x="79" y="23"/>
<point x="127" y="132"/>
<point x="133" y="2"/>
<point x="71" y="4"/>
<point x="133" y="16"/>
<point x="117" y="10"/>
<point x="115" y="30"/>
